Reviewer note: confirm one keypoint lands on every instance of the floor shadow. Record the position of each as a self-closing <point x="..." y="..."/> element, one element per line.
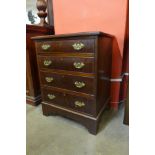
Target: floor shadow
<point x="108" y="115"/>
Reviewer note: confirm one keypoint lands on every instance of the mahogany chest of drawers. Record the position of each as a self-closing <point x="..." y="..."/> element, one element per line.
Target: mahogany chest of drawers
<point x="74" y="71"/>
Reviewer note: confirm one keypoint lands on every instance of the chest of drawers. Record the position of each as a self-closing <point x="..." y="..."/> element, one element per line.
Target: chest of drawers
<point x="74" y="71"/>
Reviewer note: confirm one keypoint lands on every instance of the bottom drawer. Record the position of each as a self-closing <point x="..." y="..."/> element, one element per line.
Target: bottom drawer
<point x="69" y="101"/>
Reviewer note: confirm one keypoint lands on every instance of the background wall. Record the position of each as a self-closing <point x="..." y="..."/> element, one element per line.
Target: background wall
<point x="109" y="16"/>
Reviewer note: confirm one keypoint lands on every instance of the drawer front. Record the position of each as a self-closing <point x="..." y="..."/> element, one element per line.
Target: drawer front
<point x="67" y="46"/>
<point x="70" y="82"/>
<point x="69" y="101"/>
<point x="67" y="63"/>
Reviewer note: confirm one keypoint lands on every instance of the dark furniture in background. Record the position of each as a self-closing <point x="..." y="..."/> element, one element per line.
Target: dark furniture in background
<point x="126" y="111"/>
<point x="75" y="74"/>
<point x="32" y="81"/>
<point x="50" y="12"/>
<point x="42" y="28"/>
<point x="125" y="70"/>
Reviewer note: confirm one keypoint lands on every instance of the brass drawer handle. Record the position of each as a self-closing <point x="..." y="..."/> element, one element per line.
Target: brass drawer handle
<point x="79" y="104"/>
<point x="78" y="46"/>
<point x="49" y="79"/>
<point x="51" y="96"/>
<point x="78" y="65"/>
<point x="79" y="84"/>
<point x="47" y="62"/>
<point x="45" y="46"/>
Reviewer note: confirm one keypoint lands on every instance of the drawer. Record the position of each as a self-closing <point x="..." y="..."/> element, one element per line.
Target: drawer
<point x="70" y="82"/>
<point x="69" y="101"/>
<point x="67" y="46"/>
<point x="67" y="63"/>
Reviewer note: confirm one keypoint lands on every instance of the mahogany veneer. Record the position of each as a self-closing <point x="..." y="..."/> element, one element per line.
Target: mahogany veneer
<point x="66" y="63"/>
<point x="74" y="75"/>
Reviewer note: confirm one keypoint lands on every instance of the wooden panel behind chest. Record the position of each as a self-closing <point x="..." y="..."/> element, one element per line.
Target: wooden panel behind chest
<point x="33" y="93"/>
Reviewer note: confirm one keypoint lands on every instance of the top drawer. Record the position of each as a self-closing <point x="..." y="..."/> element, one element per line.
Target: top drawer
<point x="67" y="46"/>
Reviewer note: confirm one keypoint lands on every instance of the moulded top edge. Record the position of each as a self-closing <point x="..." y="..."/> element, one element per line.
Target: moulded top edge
<point x="95" y="33"/>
